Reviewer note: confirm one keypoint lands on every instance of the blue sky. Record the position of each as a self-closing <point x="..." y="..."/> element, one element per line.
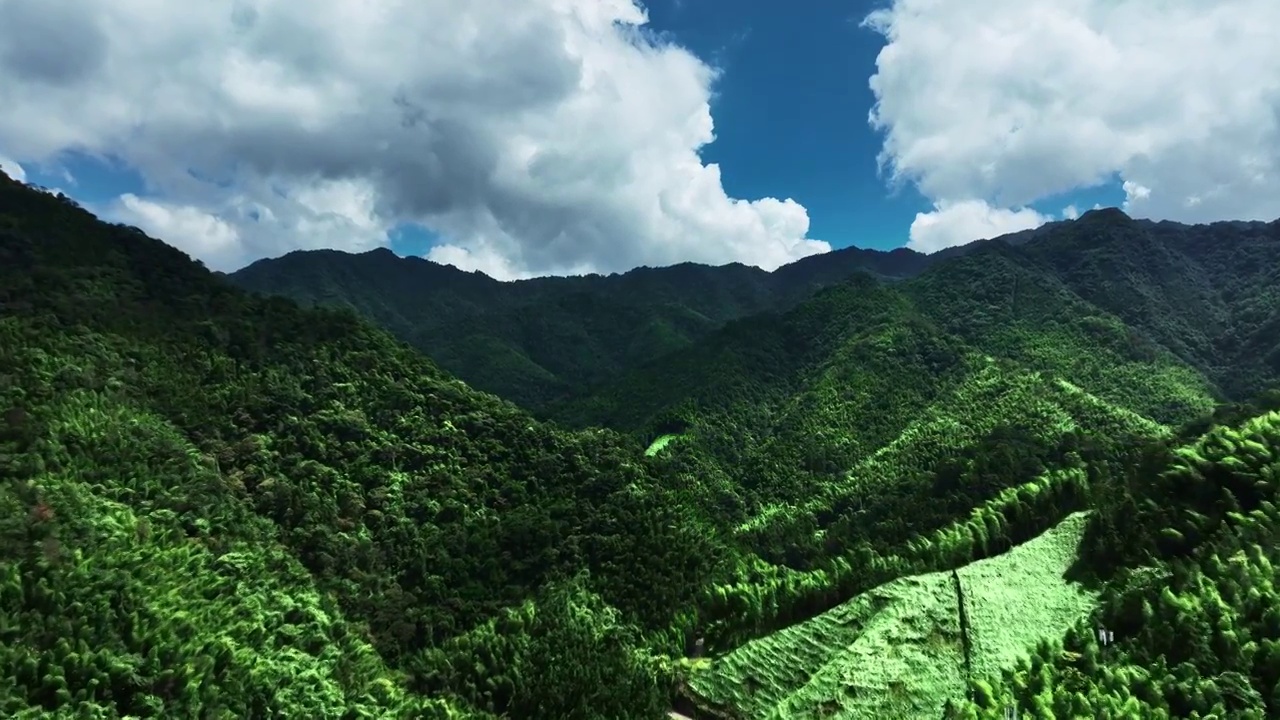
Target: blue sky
<point x="791" y="111"/>
<point x="499" y="154"/>
<point x="790" y="114"/>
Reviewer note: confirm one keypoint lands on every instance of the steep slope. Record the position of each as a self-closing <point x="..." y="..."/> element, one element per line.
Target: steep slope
<point x="218" y="504"/>
<point x="1175" y="564"/>
<point x="1085" y="375"/>
<point x="874" y="412"/>
<point x="1204" y="292"/>
<point x="904" y="649"/>
<point x="536" y="340"/>
<point x="1185" y="545"/>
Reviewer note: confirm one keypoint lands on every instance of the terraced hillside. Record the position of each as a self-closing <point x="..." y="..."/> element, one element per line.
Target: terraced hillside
<point x="1175" y="564"/>
<point x="872" y="416"/>
<point x="905" y="648"/>
<point x="1186" y="550"/>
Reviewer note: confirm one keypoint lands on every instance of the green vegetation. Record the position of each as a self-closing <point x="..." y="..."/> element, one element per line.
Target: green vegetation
<point x="540" y="340"/>
<point x="900" y="650"/>
<point x="218" y="504"/>
<point x="660" y="444"/>
<point x="213" y="501"/>
<point x="1193" y="605"/>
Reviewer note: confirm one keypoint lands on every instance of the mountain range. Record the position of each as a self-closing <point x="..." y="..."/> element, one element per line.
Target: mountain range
<point x="547" y="339"/>
<point x="535" y="341"/>
<point x="1036" y="472"/>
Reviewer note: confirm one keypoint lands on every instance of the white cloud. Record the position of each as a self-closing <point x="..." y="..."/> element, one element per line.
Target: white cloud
<point x="1070" y="212"/>
<point x="1027" y="99"/>
<point x="234" y="226"/>
<point x="484" y="259"/>
<point x="537" y="136"/>
<point x="187" y="228"/>
<point x="13" y="169"/>
<point x="1134" y="193"/>
<point x="956" y="223"/>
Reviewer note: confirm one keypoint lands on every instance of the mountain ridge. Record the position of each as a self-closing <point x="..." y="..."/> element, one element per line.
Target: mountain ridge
<point x="541" y="341"/>
<point x="600" y="324"/>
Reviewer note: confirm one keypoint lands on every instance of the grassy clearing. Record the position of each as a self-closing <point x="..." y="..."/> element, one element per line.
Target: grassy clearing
<point x="896" y="651"/>
<point x="893" y="651"/>
<point x="659" y="445"/>
<point x="1020" y="597"/>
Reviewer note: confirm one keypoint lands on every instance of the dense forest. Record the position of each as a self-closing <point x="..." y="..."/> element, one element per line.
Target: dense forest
<point x="539" y="340"/>
<point x="226" y="504"/>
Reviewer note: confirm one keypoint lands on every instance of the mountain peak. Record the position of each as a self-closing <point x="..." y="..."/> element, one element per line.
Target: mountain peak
<point x="1106" y="214"/>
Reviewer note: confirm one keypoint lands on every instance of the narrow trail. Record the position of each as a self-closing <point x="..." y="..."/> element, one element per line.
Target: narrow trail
<point x="965" y="642"/>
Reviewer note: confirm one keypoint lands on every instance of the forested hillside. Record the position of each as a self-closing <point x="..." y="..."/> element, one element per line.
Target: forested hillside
<point x="1206" y="293"/>
<point x="858" y="504"/>
<point x="219" y="505"/>
<point x="987" y="369"/>
<point x="535" y="341"/>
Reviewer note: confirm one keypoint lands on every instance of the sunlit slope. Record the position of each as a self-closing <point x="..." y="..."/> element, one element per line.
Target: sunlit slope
<point x="141" y="394"/>
<point x="874" y="415"/>
<point x="852" y="363"/>
<point x="1002" y="304"/>
<point x="1017" y="599"/>
<point x="1021" y="385"/>
<point x="800" y="407"/>
<point x="1013" y="451"/>
<point x="1205" y="292"/>
<point x="898" y="651"/>
<point x="996" y="427"/>
<point x="122" y="595"/>
<point x="1185" y="547"/>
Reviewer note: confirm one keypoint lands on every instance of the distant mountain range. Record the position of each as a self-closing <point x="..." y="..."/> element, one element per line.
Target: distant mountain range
<point x="534" y="341"/>
<point x="548" y="339"/>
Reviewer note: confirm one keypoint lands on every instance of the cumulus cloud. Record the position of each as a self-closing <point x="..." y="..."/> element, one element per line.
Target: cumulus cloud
<point x="198" y="232"/>
<point x="13" y="169"/>
<point x="534" y="137"/>
<point x="1027" y="99"/>
<point x="955" y="223"/>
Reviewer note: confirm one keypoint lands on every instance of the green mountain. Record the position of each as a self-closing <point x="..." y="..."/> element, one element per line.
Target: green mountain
<point x="535" y="341"/>
<point x="881" y="492"/>
<point x="989" y="367"/>
<point x="221" y="505"/>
